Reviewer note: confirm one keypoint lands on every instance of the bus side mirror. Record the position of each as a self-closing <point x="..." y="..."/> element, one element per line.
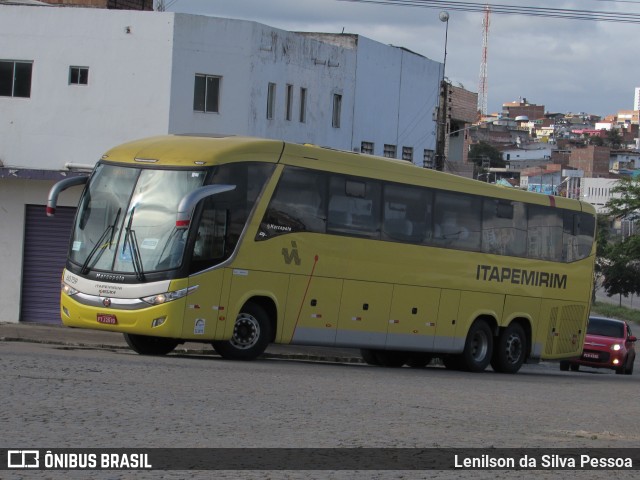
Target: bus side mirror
<point x="52" y="201"/>
<point x="191" y="199"/>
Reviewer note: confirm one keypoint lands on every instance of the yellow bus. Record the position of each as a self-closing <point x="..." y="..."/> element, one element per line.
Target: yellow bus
<point x="240" y="242"/>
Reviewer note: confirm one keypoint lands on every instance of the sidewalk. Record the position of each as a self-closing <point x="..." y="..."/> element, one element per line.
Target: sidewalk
<point x="60" y="335"/>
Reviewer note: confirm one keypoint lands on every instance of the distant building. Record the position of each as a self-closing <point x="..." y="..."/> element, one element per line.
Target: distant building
<point x="522" y="108"/>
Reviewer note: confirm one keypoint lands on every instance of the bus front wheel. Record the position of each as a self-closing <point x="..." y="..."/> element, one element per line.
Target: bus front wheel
<point x="146" y="345"/>
<point x="508" y="356"/>
<point x="251" y="335"/>
<point x="478" y="347"/>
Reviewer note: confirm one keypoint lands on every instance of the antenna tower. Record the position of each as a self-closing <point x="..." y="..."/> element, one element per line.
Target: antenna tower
<point x="482" y="84"/>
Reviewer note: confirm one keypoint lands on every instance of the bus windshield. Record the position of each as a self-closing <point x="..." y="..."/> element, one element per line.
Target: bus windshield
<point x="126" y="220"/>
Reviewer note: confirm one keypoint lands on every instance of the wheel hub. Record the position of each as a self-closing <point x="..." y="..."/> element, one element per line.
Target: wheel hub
<point x="246" y="331"/>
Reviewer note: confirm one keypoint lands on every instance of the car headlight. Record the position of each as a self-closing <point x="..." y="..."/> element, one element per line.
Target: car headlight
<point x="67" y="289"/>
<point x="616" y="347"/>
<point x="165" y="297"/>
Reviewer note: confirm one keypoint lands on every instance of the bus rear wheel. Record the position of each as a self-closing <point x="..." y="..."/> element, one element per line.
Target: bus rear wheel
<point x="251" y="335"/>
<point x="509" y="354"/>
<point x="146" y="345"/>
<point x="478" y="347"/>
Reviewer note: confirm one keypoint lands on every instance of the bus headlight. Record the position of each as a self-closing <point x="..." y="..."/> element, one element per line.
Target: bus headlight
<point x="67" y="289"/>
<point x="161" y="298"/>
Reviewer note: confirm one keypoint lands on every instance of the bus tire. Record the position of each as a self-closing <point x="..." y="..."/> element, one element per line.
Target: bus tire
<point x="146" y="345"/>
<point x="419" y="359"/>
<point x="509" y="352"/>
<point x="369" y="356"/>
<point x="390" y="358"/>
<point x="564" y="365"/>
<point x="478" y="347"/>
<point x="251" y="335"/>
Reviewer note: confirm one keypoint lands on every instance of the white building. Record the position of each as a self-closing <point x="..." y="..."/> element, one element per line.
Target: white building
<point x="597" y="192"/>
<point x="76" y="81"/>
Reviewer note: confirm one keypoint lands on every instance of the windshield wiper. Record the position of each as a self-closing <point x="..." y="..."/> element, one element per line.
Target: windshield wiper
<point x="130" y="237"/>
<point x="110" y="230"/>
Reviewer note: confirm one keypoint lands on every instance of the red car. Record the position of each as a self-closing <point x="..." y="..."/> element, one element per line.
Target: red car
<point x="608" y="344"/>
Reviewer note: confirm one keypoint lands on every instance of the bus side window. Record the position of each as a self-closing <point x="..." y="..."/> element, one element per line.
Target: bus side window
<point x="578" y="235"/>
<point x="545" y="229"/>
<point x="354" y="206"/>
<point x="457" y="221"/>
<point x="297" y="205"/>
<point x="406" y="213"/>
<point x="504" y="227"/>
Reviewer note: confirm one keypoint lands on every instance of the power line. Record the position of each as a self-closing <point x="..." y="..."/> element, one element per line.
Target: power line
<point x="561" y="13"/>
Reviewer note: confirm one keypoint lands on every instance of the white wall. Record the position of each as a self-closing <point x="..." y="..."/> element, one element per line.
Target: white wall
<point x="14" y="195"/>
<point x="396" y="94"/>
<point x="597" y="191"/>
<point x="127" y="90"/>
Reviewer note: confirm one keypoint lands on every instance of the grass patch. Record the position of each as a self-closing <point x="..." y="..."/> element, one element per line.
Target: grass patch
<point x="610" y="310"/>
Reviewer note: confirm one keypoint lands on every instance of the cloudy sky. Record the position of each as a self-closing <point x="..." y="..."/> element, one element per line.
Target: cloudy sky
<point x="565" y="65"/>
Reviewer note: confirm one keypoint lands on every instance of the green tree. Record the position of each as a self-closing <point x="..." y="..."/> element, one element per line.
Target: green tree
<point x="619" y="262"/>
<point x="625" y="201"/>
<point x="482" y="152"/>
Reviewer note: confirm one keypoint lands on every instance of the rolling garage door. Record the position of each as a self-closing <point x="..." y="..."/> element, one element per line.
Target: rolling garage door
<point x="46" y="241"/>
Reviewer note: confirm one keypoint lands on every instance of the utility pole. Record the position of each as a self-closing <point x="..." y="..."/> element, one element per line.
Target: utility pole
<point x="442" y="123"/>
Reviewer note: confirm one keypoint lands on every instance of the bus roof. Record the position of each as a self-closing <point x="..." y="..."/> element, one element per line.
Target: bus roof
<point x="207" y="150"/>
<point x="194" y="150"/>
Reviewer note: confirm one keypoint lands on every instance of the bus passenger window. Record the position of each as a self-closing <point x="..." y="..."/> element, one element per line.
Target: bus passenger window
<point x="406" y="213"/>
<point x="545" y="229"/>
<point x="354" y="206"/>
<point x="504" y="227"/>
<point x="457" y="221"/>
<point x="297" y="204"/>
<point x="577" y="236"/>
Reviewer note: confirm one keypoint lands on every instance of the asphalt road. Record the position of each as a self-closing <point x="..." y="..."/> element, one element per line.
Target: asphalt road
<point x="74" y="396"/>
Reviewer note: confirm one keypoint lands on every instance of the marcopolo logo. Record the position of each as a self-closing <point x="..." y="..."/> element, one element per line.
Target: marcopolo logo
<point x="23" y="459"/>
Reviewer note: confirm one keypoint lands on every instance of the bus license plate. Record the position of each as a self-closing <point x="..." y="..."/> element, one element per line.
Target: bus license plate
<point x="107" y="318"/>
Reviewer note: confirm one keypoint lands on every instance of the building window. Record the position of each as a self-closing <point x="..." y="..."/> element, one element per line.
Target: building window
<point x="367" y="147"/>
<point x="271" y="100"/>
<point x="337" y="107"/>
<point x="407" y="153"/>
<point x="206" y="93"/>
<point x="427" y="159"/>
<point x="303" y="105"/>
<point x="15" y="78"/>
<point x="289" y="104"/>
<point x="78" y="75"/>
<point x="389" y="151"/>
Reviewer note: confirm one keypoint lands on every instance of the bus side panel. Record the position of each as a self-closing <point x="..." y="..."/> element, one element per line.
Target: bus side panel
<point x="476" y="304"/>
<point x="247" y="284"/>
<point x="413" y="318"/>
<point x="529" y="308"/>
<point x="203" y="307"/>
<point x="311" y="316"/>
<point x="446" y="327"/>
<point x="364" y="314"/>
<point x="563" y="326"/>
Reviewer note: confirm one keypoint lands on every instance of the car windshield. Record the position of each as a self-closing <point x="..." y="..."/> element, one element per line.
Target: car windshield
<point x="126" y="221"/>
<point x="605" y="328"/>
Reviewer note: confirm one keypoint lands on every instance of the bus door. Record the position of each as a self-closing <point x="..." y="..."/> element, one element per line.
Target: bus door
<point x="364" y="314"/>
<point x="413" y="318"/>
<point x="203" y="310"/>
<point x="313" y="305"/>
